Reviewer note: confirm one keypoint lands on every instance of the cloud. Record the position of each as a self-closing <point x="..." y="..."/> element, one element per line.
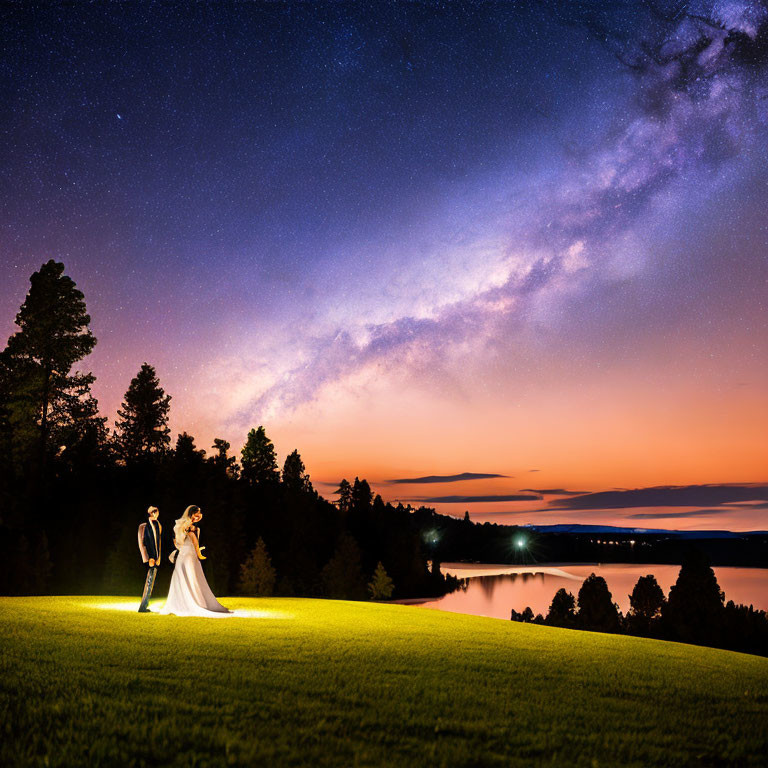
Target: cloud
<point x="475" y="499"/>
<point x="667" y="496"/>
<point x="552" y="491"/>
<point x="748" y="505"/>
<point x="446" y="478"/>
<point x="663" y="515"/>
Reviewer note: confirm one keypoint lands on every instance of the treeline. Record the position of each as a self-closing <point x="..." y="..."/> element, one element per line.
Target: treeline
<point x="694" y="612"/>
<point x="453" y="539"/>
<point x="72" y="491"/>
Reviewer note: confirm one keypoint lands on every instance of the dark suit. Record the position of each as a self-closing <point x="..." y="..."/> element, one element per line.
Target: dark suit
<point x="150" y="546"/>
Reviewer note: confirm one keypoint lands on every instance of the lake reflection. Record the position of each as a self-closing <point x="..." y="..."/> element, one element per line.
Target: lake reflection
<point x="495" y="590"/>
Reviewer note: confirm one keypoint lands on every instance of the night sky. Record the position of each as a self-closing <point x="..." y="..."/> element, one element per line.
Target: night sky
<point x="416" y="239"/>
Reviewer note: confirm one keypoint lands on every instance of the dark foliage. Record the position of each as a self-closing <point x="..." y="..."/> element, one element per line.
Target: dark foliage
<point x="258" y="459"/>
<point x="526" y="617"/>
<point x="696" y="615"/>
<point x="744" y="629"/>
<point x="645" y="605"/>
<point x="343" y="574"/>
<point x="562" y="610"/>
<point x="45" y="408"/>
<point x="142" y="431"/>
<point x="80" y="529"/>
<point x="295" y="476"/>
<point x="380" y="586"/>
<point x="451" y="540"/>
<point x="693" y="613"/>
<point x="257" y="575"/>
<point x="597" y="611"/>
<point x="68" y="524"/>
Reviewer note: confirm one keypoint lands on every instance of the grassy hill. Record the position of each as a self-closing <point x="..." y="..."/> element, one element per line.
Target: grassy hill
<point x="86" y="681"/>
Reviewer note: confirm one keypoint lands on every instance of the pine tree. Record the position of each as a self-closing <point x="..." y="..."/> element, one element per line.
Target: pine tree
<point x="381" y="586"/>
<point x="186" y="452"/>
<point x="344" y="493"/>
<point x="82" y="436"/>
<point x="597" y="611"/>
<point x="562" y="610"/>
<point x="645" y="604"/>
<point x="693" y="612"/>
<point x="342" y="575"/>
<point x="142" y="428"/>
<point x="222" y="459"/>
<point x="362" y="496"/>
<point x="294" y="473"/>
<point x="259" y="462"/>
<point x="40" y="392"/>
<point x="257" y="574"/>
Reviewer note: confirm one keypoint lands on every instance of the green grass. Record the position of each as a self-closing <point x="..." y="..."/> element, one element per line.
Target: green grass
<point x="320" y="682"/>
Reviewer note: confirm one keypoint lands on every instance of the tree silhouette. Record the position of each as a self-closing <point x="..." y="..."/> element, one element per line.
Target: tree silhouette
<point x="342" y="576"/>
<point x="257" y="574"/>
<point x="562" y="610"/>
<point x="186" y="451"/>
<point x="526" y="616"/>
<point x="295" y="476"/>
<point x="693" y="612"/>
<point x="41" y="393"/>
<point x="345" y="496"/>
<point x="53" y="534"/>
<point x="222" y="459"/>
<point x="82" y="437"/>
<point x="645" y="604"/>
<point x="142" y="431"/>
<point x="745" y="629"/>
<point x="259" y="461"/>
<point x="597" y="611"/>
<point x="381" y="586"/>
<point x="362" y="496"/>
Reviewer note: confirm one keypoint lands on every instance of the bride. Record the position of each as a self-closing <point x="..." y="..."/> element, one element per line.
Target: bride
<point x="190" y="594"/>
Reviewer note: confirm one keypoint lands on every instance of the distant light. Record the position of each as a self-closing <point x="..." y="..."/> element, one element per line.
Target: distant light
<point x="520" y="543"/>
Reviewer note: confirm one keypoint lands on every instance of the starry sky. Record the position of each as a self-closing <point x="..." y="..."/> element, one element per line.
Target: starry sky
<point x="418" y="241"/>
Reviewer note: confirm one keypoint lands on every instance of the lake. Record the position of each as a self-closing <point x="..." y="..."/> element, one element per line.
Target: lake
<point x="493" y="590"/>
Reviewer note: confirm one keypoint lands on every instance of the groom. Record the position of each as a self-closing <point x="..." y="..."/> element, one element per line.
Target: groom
<point x="150" y="548"/>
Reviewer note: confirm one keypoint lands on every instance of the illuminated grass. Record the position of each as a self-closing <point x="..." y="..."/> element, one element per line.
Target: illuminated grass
<point x="315" y="682"/>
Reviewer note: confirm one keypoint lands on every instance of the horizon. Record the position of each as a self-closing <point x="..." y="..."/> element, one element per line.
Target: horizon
<point x="409" y="261"/>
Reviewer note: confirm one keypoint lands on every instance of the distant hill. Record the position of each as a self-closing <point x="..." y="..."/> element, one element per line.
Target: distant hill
<point x="576" y="528"/>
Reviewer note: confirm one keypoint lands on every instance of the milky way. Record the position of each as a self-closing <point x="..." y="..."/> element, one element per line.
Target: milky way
<point x="410" y="239"/>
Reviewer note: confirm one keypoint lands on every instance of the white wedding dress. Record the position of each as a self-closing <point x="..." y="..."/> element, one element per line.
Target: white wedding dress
<point x="190" y="594"/>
